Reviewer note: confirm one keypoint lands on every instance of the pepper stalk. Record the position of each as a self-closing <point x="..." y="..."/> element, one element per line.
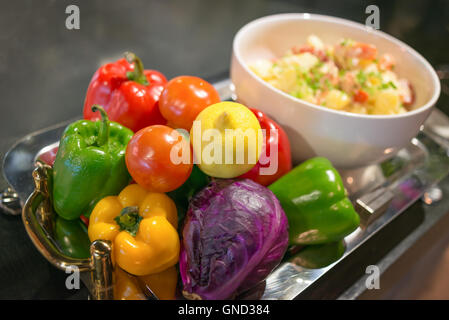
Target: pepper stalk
<point x="138" y="74"/>
<point x="103" y="134"/>
<point x="129" y="220"/>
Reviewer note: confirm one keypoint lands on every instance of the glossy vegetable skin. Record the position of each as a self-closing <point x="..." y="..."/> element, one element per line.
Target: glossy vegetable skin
<point x="319" y="255"/>
<point x="126" y="286"/>
<point x="142" y="226"/>
<point x="281" y="142"/>
<point x="162" y="284"/>
<point x="128" y="93"/>
<point x="149" y="158"/>
<point x="183" y="98"/>
<point x="235" y="233"/>
<point x="315" y="201"/>
<point x="71" y="237"/>
<point x="49" y="156"/>
<point x="89" y="165"/>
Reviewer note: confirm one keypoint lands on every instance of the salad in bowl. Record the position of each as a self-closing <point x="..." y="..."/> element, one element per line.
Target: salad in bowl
<point x="349" y="76"/>
<point x="340" y="90"/>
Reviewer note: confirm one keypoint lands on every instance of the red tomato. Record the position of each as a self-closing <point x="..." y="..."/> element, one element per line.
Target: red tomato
<point x="386" y="62"/>
<point x="317" y="52"/>
<point x="364" y="51"/>
<point x="360" y="96"/>
<point x="184" y="97"/>
<point x="148" y="158"/>
<point x="284" y="153"/>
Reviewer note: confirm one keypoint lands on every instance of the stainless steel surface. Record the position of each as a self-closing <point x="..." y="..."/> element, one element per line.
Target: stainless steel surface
<point x="432" y="196"/>
<point x="372" y="205"/>
<point x="405" y="178"/>
<point x="432" y="216"/>
<point x="10" y="202"/>
<point x="18" y="162"/>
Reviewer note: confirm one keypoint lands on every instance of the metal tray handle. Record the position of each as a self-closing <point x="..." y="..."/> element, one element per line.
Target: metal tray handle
<point x="37" y="218"/>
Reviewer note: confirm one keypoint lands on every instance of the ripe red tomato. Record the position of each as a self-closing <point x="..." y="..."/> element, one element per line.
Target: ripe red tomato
<point x="183" y="98"/>
<point x="149" y="158"/>
<point x="284" y="154"/>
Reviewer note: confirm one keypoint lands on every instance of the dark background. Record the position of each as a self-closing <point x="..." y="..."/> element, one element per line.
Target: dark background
<point x="45" y="70"/>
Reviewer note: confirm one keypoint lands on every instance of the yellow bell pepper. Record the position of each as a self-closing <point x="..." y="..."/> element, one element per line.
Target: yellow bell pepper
<point x="126" y="287"/>
<point x="142" y="226"/>
<point x="162" y="284"/>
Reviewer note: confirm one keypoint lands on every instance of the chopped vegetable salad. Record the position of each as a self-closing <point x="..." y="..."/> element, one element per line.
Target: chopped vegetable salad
<point x="348" y="76"/>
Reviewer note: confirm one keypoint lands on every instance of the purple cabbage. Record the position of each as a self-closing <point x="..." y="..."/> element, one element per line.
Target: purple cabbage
<point x="235" y="234"/>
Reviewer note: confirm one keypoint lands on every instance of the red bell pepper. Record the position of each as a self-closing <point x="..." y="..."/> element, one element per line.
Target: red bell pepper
<point x="85" y="220"/>
<point x="49" y="156"/>
<point x="127" y="92"/>
<point x="284" y="153"/>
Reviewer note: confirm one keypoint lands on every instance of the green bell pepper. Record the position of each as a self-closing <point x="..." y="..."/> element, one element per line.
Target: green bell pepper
<point x="315" y="202"/>
<point x="71" y="237"/>
<point x="90" y="165"/>
<point x="318" y="256"/>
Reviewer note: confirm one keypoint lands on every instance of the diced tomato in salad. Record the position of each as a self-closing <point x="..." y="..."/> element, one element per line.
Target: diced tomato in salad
<point x="361" y="96"/>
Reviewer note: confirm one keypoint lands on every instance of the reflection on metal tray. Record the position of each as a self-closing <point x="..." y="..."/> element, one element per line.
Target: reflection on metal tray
<point x="380" y="193"/>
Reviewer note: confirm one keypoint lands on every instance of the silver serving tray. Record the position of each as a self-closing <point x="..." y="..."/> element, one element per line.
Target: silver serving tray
<point x="381" y="195"/>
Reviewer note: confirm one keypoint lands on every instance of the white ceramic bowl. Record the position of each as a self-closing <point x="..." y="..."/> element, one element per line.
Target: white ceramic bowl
<point x="349" y="140"/>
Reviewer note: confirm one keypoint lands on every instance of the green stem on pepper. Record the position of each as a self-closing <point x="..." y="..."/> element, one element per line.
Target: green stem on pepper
<point x="103" y="134"/>
<point x="138" y="74"/>
<point x="129" y="220"/>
